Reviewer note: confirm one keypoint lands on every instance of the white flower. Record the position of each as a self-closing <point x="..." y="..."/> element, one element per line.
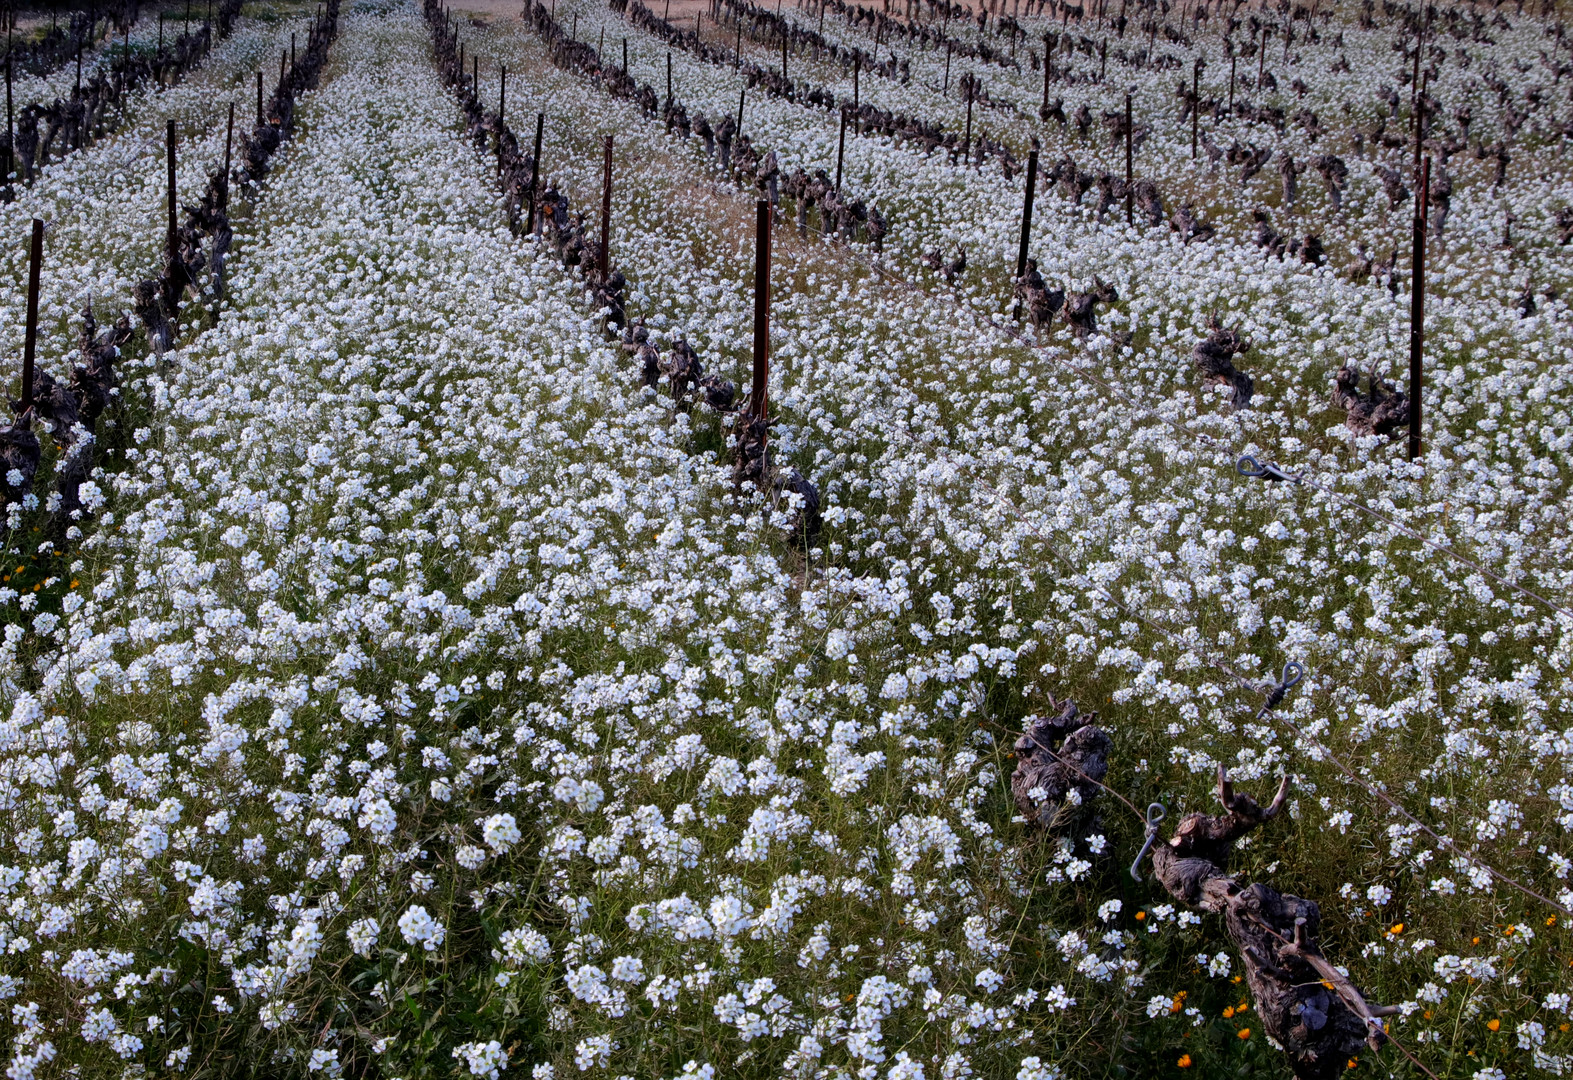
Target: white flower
<point x="419" y="928"/>
<point x="482" y="1059"/>
<point x="501" y="832"/>
<point x="362" y="935"/>
<point x="1033" y="1068"/>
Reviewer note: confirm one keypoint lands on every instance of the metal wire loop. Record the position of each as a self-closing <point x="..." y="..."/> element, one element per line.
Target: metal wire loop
<point x="1155" y="815"/>
<point x="1249" y="466"/>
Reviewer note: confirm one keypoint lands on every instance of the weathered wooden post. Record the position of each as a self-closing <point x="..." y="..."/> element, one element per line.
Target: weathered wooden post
<point x="535" y="171"/>
<point x="475" y="78"/>
<point x="841" y="147"/>
<point x="1129" y="200"/>
<point x="259" y="97"/>
<point x="739" y="48"/>
<point x="1026" y="222"/>
<point x="945" y="89"/>
<point x="1417" y="310"/>
<point x="669" y="78"/>
<point x="30" y="341"/>
<point x="625" y="55"/>
<point x="783" y="55"/>
<point x="758" y="401"/>
<point x="606" y="214"/>
<point x="1233" y="59"/>
<point x="741" y="94"/>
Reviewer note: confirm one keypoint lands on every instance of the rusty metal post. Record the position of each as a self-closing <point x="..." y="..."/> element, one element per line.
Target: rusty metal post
<point x="173" y="241"/>
<point x="1418" y="120"/>
<point x="535" y="171"/>
<point x="1048" y="72"/>
<point x="606" y="213"/>
<point x="966" y="144"/>
<point x="758" y="401"/>
<point x="10" y="125"/>
<point x="1417" y="311"/>
<point x="1196" y="104"/>
<point x="841" y="147"/>
<point x="30" y="342"/>
<point x="1128" y="174"/>
<point x="229" y="138"/>
<point x="1026" y="221"/>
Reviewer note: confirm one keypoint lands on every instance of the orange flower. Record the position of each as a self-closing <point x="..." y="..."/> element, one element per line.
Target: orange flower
<point x="1184" y="1062"/>
<point x="1551" y="920"/>
<point x="1228" y="1012"/>
<point x="1244" y="1033"/>
<point x="1140" y="915"/>
<point x="1244" y="1006"/>
<point x="1474" y="941"/>
<point x="1493" y="1024"/>
<point x="1396" y="928"/>
<point x="1352" y="1063"/>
